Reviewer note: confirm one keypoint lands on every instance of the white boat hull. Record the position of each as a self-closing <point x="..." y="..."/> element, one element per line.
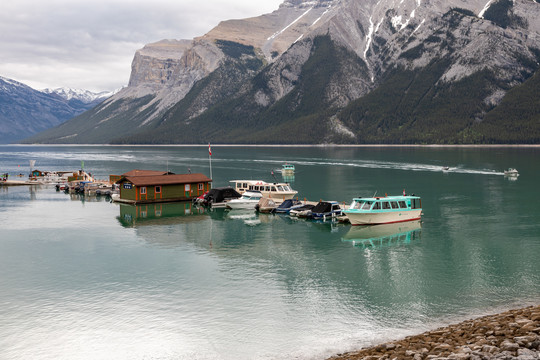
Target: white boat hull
<point x="375" y="218"/>
<point x="241" y="205"/>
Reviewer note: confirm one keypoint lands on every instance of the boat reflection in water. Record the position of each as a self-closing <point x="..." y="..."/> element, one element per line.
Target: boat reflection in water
<point x="370" y="236"/>
<point x="288" y="178"/>
<point x="160" y="214"/>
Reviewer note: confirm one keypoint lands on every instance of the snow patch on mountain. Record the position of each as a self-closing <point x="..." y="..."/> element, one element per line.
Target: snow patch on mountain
<point x="84" y="96"/>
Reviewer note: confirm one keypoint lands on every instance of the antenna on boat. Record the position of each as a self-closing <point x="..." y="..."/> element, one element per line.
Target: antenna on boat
<point x="375" y="193"/>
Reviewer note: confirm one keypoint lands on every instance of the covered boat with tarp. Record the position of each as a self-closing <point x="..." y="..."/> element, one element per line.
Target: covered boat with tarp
<point x="219" y="197"/>
<point x="326" y="210"/>
<point x="286" y="206"/>
<point x="303" y="211"/>
<point x="266" y="205"/>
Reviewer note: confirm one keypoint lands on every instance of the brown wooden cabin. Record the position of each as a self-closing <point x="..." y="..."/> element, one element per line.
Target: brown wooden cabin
<point x="147" y="186"/>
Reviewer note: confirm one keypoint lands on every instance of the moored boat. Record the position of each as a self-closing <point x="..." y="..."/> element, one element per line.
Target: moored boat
<point x="286" y="206"/>
<point x="325" y="210"/>
<point x="303" y="211"/>
<point x="266" y="205"/>
<point x="384" y="210"/>
<point x="280" y="191"/>
<point x="248" y="200"/>
<point x="219" y="197"/>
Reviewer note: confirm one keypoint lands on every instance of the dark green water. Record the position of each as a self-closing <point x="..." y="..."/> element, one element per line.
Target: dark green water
<point x="89" y="279"/>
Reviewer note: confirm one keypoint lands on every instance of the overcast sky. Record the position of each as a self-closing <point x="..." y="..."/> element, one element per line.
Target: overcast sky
<point x="90" y="44"/>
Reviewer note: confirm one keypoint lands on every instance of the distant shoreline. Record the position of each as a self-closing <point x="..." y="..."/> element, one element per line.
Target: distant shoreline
<point x="487" y="146"/>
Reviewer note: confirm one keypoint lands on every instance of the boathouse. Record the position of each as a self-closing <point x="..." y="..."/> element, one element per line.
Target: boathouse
<point x="147" y="186"/>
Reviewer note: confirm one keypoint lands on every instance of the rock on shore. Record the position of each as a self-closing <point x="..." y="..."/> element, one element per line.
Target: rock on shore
<point x="514" y="334"/>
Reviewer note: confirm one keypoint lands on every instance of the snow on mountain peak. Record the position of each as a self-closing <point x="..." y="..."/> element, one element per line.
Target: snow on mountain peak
<point x="85" y="96"/>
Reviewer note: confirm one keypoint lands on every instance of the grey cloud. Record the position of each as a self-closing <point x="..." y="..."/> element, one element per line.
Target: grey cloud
<point x="85" y="44"/>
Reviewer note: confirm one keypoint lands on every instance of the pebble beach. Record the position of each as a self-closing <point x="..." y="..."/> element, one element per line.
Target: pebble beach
<point x="513" y="334"/>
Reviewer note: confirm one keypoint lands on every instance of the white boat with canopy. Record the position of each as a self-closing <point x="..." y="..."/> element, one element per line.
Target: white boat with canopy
<point x="384" y="210"/>
<point x="279" y="191"/>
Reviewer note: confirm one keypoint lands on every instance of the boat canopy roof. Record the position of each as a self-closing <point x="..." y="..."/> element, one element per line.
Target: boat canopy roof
<point x="257" y="182"/>
<point x="323" y="207"/>
<point x="220" y="194"/>
<point x="288" y="203"/>
<point x="387" y="198"/>
<point x="267" y="202"/>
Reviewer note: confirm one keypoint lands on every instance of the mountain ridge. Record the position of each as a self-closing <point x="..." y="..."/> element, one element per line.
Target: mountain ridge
<point x="25" y="111"/>
<point x="334" y="66"/>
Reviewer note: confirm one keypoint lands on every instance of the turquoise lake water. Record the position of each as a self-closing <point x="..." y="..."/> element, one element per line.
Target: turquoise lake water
<point x="83" y="278"/>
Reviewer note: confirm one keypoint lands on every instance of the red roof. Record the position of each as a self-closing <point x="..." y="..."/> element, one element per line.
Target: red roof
<point x="164" y="179"/>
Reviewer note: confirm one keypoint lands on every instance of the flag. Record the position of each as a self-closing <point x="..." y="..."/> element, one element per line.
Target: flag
<point x="209" y="150"/>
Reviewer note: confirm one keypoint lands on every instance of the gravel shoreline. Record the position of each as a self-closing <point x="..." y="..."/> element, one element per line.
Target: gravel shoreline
<point x="513" y="334"/>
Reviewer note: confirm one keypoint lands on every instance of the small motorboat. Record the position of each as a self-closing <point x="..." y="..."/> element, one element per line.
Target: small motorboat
<point x="303" y="211"/>
<point x="266" y="205"/>
<point x="326" y="210"/>
<point x="286" y="206"/>
<point x="248" y="200"/>
<point x="511" y="172"/>
<point x="218" y="197"/>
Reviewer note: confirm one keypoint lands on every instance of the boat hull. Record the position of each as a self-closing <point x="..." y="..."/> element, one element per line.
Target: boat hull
<point x="376" y="218"/>
<point x="241" y="205"/>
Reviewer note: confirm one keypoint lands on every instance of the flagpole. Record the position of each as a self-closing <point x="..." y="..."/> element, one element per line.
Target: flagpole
<point x="210" y="159"/>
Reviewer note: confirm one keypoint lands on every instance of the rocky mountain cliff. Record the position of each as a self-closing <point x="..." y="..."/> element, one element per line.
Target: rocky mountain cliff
<point x="25" y="111"/>
<point x="343" y="71"/>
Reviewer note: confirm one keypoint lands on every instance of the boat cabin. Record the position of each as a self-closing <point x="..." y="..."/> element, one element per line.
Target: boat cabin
<point x="388" y="203"/>
<point x="140" y="186"/>
<point x="261" y="186"/>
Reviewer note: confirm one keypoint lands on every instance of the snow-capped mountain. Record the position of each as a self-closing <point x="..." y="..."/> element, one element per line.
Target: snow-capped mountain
<point x="85" y="96"/>
<point x="25" y="111"/>
<point x="323" y="71"/>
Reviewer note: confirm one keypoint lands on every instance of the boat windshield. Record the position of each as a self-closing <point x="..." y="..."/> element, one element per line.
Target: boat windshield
<point x="367" y="205"/>
<point x="280" y="188"/>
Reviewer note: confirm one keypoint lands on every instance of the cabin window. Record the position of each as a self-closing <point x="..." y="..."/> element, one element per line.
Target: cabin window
<point x="143" y="190"/>
<point x="377" y="206"/>
<point x="250" y="187"/>
<point x="286" y="188"/>
<point x="158" y="189"/>
<point x="367" y="205"/>
<point x="394" y="205"/>
<point x="274" y="188"/>
<point x="416" y="203"/>
<point x="201" y="186"/>
<point x="355" y="205"/>
<point x="244" y="185"/>
<point x="386" y="205"/>
<point x="267" y="188"/>
<point x="402" y="205"/>
<point x="280" y="188"/>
